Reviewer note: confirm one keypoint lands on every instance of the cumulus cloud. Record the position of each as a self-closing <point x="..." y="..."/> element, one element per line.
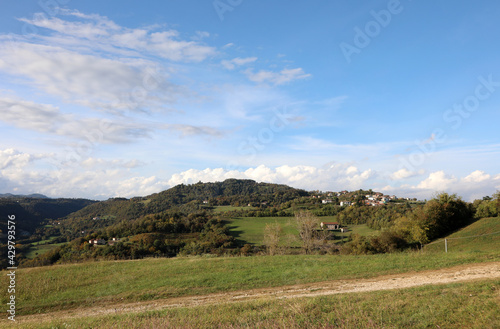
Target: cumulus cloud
<point x="477" y="176"/>
<point x="277" y="78"/>
<point x="93" y="178"/>
<point x="473" y="186"/>
<point x="97" y="178"/>
<point x="331" y="177"/>
<point x="437" y="181"/>
<point x="404" y="174"/>
<point x="14" y="158"/>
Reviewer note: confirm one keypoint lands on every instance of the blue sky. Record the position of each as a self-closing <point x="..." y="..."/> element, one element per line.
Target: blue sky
<point x="104" y="99"/>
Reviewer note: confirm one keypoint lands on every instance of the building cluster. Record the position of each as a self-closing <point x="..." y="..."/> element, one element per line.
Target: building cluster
<point x="374" y="199"/>
<point x="103" y="242"/>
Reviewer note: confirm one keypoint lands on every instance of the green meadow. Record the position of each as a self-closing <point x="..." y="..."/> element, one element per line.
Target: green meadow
<point x="251" y="229"/>
<point x="482" y="235"/>
<point x="99" y="283"/>
<point x="105" y="283"/>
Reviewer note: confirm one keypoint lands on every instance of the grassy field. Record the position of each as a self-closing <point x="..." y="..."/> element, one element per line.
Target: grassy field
<point x="483" y="235"/>
<point x="251" y="229"/>
<point x="94" y="283"/>
<point x="40" y="249"/>
<point x="222" y="209"/>
<point x="466" y="305"/>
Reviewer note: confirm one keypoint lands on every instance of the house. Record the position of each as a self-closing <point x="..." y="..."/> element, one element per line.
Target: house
<point x="113" y="241"/>
<point x="205" y="201"/>
<point x="326" y="201"/>
<point x="345" y="203"/>
<point x="97" y="241"/>
<point x="330" y="225"/>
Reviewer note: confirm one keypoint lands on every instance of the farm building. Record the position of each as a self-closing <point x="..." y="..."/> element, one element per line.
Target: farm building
<point x="330" y="225"/>
<point x="97" y="241"/>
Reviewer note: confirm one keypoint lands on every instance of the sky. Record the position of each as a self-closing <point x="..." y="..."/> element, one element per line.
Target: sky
<point x="102" y="99"/>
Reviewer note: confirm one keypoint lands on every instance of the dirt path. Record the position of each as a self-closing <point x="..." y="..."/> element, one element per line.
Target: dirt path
<point x="397" y="281"/>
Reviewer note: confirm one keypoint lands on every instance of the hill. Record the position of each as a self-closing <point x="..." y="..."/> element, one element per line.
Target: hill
<point x="178" y="201"/>
<point x="31" y="212"/>
<point x="482" y="235"/>
<point x="35" y="195"/>
<point x="228" y="192"/>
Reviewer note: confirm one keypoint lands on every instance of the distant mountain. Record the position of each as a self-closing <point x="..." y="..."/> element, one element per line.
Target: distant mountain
<point x="32" y="196"/>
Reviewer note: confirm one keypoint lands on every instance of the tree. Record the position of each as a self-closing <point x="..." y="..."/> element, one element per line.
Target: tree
<point x="272" y="236"/>
<point x="306" y="225"/>
<point x="443" y="214"/>
<point x="411" y="230"/>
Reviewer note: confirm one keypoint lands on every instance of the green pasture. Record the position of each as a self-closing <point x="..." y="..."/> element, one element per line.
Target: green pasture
<point x="482" y="235"/>
<point x="251" y="229"/>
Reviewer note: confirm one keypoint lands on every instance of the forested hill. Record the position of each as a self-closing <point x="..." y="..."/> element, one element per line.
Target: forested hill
<point x="228" y="192"/>
<point x="30" y="212"/>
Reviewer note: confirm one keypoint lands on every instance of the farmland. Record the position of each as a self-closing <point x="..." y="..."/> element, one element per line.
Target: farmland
<point x="251" y="229"/>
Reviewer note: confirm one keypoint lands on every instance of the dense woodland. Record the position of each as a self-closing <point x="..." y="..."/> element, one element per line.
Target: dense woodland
<point x="183" y="221"/>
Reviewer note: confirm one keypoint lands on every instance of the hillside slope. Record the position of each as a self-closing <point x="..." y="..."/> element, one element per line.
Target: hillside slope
<point x="481" y="236"/>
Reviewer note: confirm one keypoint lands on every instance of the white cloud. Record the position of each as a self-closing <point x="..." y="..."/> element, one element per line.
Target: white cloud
<point x="16" y="159"/>
<point x="49" y="119"/>
<point x="473" y="186"/>
<point x="437" y="181"/>
<point x="190" y="130"/>
<point x="93" y="81"/>
<point x="277" y="78"/>
<point x="331" y="177"/>
<point x="98" y="178"/>
<point x="404" y="174"/>
<point x="93" y="178"/>
<point x="105" y="33"/>
<point x="233" y="63"/>
<point x="477" y="176"/>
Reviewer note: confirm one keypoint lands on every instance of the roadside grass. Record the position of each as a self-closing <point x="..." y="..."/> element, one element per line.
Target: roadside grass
<point x="458" y="305"/>
<point x="251" y="229"/>
<point x="58" y="287"/>
<point x="473" y="238"/>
